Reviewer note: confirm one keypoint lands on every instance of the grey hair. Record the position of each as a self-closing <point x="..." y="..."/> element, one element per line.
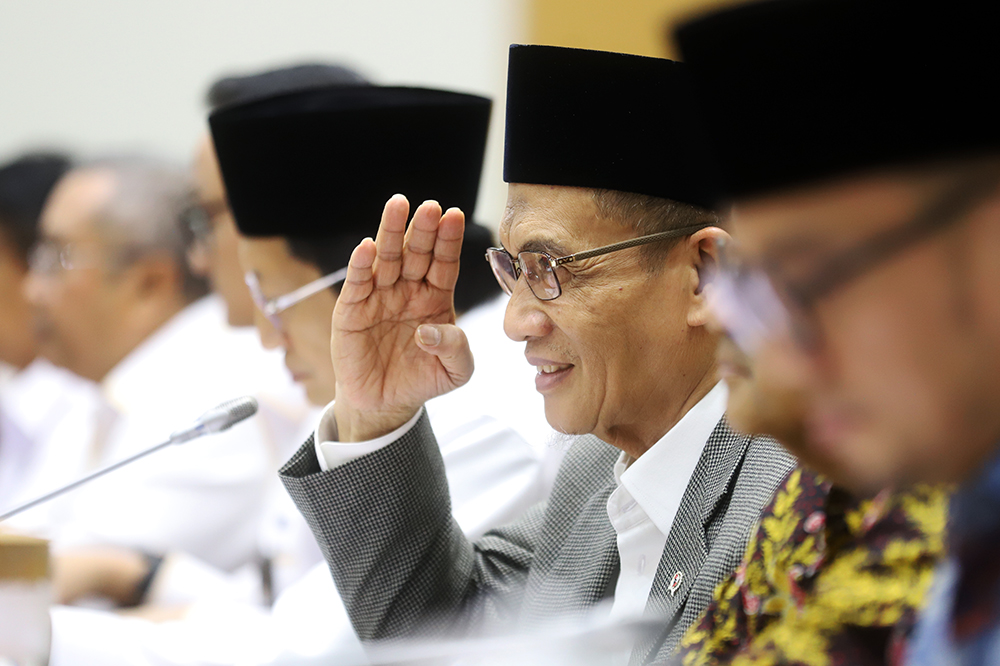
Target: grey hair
<point x="647" y="215"/>
<point x="147" y="211"/>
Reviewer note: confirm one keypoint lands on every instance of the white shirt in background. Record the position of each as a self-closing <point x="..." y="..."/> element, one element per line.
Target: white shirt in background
<point x="33" y="402"/>
<point x="204" y="497"/>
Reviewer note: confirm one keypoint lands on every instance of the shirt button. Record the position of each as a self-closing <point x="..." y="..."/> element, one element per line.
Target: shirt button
<point x="642" y="565"/>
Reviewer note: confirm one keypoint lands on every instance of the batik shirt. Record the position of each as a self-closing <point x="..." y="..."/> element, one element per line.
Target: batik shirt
<point x="961" y="626"/>
<point x="825" y="580"/>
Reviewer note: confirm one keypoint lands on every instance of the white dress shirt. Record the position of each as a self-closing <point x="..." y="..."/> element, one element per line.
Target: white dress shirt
<point x="204" y="497"/>
<point x="33" y="403"/>
<point x="643" y="506"/>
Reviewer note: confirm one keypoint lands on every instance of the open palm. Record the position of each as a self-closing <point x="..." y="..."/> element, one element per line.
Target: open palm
<point x="403" y="280"/>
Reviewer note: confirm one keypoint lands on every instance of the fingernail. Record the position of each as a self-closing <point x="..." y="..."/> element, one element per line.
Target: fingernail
<point x="429" y="335"/>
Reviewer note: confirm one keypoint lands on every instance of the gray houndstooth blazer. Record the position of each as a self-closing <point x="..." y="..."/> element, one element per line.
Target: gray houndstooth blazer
<point x="403" y="566"/>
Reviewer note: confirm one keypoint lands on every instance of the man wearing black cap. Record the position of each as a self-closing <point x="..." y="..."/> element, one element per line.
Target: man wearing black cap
<point x="867" y="190"/>
<point x="598" y="163"/>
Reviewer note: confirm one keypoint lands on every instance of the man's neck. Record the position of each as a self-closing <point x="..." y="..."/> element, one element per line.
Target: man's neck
<point x="136" y="333"/>
<point x="641" y="437"/>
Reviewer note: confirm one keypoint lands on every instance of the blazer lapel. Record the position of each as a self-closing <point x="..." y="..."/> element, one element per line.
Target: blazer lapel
<point x="688" y="542"/>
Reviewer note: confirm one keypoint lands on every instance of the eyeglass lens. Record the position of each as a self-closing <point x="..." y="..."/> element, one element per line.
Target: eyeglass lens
<point x="746" y="305"/>
<point x="537" y="270"/>
<point x="260" y="301"/>
<point x="503" y="269"/>
<point x="541" y="276"/>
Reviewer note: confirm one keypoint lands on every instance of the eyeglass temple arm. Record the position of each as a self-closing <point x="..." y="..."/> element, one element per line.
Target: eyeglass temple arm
<point x="936" y="217"/>
<point x="288" y="300"/>
<point x="641" y="240"/>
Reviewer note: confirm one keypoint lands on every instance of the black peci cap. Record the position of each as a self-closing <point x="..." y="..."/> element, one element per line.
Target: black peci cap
<point x="321" y="163"/>
<point x="798" y="91"/>
<point x="603" y="120"/>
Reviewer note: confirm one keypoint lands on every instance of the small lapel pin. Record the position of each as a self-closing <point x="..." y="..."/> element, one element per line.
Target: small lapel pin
<point x="675" y="583"/>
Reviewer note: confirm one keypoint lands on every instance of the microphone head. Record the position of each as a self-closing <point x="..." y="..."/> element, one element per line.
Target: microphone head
<point x="236" y="410"/>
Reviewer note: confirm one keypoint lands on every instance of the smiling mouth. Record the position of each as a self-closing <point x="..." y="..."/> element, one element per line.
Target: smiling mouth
<point x="551" y="369"/>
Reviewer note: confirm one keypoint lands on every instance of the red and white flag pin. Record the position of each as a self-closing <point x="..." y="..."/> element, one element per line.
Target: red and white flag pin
<point x="675" y="583"/>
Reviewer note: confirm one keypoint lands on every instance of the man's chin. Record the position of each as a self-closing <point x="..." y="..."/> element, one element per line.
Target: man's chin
<point x="565" y="421"/>
<point x="318" y="393"/>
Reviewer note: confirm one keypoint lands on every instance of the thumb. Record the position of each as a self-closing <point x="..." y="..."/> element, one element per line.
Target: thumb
<point x="449" y="344"/>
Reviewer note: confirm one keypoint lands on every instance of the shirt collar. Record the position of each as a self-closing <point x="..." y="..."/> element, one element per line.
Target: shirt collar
<point x="658" y="479"/>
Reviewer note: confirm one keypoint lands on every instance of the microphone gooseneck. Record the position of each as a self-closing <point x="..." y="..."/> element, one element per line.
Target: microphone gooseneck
<point x="215" y="420"/>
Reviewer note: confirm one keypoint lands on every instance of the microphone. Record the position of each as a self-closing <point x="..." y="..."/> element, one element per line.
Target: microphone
<point x="215" y="420"/>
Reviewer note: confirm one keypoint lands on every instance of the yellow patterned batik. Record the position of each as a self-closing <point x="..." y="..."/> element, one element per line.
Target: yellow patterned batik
<point x="826" y="578"/>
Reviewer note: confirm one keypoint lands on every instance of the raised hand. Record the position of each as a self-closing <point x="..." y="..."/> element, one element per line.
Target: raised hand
<point x="394" y="343"/>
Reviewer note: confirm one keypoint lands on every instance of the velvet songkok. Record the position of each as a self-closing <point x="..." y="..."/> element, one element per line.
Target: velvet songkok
<point x="321" y="163"/>
<point x="603" y="120"/>
<point x="794" y="92"/>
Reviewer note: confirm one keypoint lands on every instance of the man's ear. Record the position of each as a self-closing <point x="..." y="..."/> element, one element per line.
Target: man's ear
<point x="155" y="277"/>
<point x="705" y="246"/>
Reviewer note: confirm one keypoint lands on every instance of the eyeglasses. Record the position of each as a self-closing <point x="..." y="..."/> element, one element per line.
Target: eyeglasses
<point x="50" y="257"/>
<point x="272" y="307"/>
<point x="539" y="268"/>
<point x="753" y="304"/>
<point x="200" y="219"/>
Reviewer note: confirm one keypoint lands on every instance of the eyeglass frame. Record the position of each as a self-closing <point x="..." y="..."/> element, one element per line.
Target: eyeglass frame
<point x="63" y="251"/>
<point x="272" y="307"/>
<point x="555" y="262"/>
<point x="853" y="262"/>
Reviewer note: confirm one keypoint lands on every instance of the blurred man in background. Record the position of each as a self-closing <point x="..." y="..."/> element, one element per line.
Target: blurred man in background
<point x="34" y="394"/>
<point x="213" y="252"/>
<point x="115" y="303"/>
<point x="867" y="190"/>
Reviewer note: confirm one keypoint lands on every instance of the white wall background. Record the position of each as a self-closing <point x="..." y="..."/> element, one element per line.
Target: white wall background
<point x="107" y="75"/>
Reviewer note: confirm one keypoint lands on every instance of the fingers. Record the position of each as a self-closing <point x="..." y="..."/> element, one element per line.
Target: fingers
<point x="429" y="249"/>
<point x="389" y="241"/>
<point x="358" y="283"/>
<point x="449" y="343"/>
<point x="443" y="271"/>
<point x="420" y="239"/>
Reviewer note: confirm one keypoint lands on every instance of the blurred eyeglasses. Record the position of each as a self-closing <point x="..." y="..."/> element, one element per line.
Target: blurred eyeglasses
<point x="272" y="307"/>
<point x="755" y="303"/>
<point x="51" y="257"/>
<point x="539" y="268"/>
<point x="199" y="223"/>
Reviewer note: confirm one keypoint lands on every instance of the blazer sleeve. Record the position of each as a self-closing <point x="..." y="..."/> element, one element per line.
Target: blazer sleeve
<point x="400" y="561"/>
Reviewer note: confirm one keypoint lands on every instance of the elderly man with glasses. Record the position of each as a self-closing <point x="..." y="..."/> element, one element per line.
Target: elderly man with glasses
<point x="654" y="503"/>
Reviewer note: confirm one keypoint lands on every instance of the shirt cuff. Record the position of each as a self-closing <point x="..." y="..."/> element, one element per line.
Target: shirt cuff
<point x="332" y="453"/>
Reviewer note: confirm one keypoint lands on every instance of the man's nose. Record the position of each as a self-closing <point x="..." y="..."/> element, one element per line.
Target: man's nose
<point x="525" y="316"/>
<point x="34" y="287"/>
<point x="270" y="337"/>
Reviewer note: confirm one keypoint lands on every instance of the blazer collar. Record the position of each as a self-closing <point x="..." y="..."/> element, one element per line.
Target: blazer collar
<point x="687" y="544"/>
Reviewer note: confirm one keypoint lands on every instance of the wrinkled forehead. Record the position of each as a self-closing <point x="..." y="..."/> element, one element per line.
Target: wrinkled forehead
<point x="548" y="218"/>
